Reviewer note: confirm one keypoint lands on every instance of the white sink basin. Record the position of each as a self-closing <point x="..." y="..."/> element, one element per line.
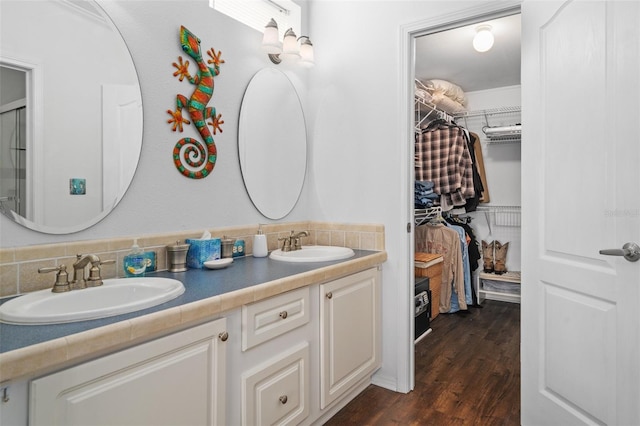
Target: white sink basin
<point x="313" y="254"/>
<point x="116" y="296"/>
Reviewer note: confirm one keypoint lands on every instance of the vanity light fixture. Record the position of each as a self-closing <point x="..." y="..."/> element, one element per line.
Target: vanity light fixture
<point x="288" y="50"/>
<point x="483" y="40"/>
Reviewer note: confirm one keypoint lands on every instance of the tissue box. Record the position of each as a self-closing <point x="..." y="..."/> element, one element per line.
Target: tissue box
<point x="202" y="250"/>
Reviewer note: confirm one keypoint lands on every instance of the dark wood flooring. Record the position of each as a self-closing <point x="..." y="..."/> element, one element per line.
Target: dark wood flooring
<point x="467" y="373"/>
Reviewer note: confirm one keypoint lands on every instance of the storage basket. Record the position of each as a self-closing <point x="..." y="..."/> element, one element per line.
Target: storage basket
<point x="430" y="265"/>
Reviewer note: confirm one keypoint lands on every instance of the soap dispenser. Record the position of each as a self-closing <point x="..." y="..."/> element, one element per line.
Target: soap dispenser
<point x="260" y="244"/>
<point x="134" y="263"/>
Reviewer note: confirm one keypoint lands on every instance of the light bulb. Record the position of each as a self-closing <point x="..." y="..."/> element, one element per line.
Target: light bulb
<point x="483" y="41"/>
<point x="290" y="48"/>
<point x="270" y="42"/>
<point x="306" y="53"/>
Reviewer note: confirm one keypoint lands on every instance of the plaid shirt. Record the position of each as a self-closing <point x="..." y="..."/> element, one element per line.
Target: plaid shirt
<point x="442" y="156"/>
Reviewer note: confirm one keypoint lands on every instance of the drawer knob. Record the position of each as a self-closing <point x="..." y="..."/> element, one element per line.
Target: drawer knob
<point x="329" y="295"/>
<point x="284" y="314"/>
<point x="223" y="336"/>
<point x="283" y="399"/>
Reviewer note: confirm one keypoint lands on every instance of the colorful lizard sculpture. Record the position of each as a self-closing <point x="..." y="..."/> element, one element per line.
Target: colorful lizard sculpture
<point x="201" y="157"/>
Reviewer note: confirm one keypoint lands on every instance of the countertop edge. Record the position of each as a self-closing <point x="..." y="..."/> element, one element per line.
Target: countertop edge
<point x="46" y="357"/>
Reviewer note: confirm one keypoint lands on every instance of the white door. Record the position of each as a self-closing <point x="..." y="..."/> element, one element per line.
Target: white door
<point x="580" y="194"/>
<point x="121" y="140"/>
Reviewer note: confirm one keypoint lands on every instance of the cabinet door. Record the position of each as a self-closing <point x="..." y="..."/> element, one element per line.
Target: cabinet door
<point x="277" y="392"/>
<point x="349" y="333"/>
<point x="175" y="380"/>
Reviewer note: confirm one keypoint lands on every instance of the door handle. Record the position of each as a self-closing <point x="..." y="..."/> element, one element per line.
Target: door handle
<point x="630" y="251"/>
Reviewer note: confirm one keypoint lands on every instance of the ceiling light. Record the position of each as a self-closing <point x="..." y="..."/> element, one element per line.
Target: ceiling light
<point x="483" y="41"/>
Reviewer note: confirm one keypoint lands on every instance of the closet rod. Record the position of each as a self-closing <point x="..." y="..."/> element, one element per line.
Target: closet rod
<point x="424" y="215"/>
<point x="441" y="114"/>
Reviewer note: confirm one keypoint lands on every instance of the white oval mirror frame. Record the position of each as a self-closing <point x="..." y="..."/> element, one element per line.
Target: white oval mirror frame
<point x="272" y="143"/>
<point x="78" y="151"/>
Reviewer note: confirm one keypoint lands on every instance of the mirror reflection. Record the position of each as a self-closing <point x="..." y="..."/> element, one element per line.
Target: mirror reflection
<point x="71" y="114"/>
<point x="272" y="143"/>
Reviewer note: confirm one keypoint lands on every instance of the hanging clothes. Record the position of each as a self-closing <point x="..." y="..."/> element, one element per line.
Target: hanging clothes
<point x="478" y="163"/>
<point x="478" y="187"/>
<point x="466" y="269"/>
<point x="442" y="157"/>
<point x="437" y="238"/>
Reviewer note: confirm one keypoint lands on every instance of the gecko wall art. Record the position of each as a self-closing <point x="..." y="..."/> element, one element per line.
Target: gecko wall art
<point x="193" y="157"/>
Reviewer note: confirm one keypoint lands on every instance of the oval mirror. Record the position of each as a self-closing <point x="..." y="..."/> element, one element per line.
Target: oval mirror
<point x="272" y="143"/>
<point x="71" y="129"/>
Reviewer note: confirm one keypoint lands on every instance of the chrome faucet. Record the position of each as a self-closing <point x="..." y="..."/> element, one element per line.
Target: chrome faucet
<point x="295" y="239"/>
<point x="79" y="281"/>
<point x="94" y="279"/>
<point x="292" y="242"/>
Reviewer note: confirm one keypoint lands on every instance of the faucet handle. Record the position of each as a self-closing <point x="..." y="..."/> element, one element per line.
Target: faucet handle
<point x="95" y="279"/>
<point x="62" y="278"/>
<point x="286" y="243"/>
<point x="296" y="243"/>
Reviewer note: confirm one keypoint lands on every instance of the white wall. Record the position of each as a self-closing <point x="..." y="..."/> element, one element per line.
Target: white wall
<point x="502" y="166"/>
<point x="358" y="172"/>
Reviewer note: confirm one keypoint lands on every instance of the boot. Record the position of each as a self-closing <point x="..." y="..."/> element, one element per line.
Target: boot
<point x="501" y="257"/>
<point x="487" y="256"/>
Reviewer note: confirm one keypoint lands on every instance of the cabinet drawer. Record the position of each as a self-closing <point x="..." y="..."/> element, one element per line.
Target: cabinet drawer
<point x="264" y="320"/>
<point x="277" y="392"/>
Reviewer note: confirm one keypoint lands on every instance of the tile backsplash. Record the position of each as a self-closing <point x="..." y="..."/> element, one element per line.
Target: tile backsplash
<point x="19" y="266"/>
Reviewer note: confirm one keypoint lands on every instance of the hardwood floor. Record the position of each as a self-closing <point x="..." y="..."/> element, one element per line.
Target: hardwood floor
<point x="467" y="373"/>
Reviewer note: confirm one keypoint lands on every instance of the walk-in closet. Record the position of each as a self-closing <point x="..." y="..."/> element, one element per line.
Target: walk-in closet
<point x="467" y="170"/>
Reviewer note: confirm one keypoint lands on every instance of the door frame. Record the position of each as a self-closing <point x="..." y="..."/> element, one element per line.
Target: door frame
<point x="34" y="81"/>
<point x="408" y="33"/>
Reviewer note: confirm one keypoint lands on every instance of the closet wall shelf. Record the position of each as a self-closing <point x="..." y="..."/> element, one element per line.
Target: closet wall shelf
<point x="495" y="119"/>
<point x="423" y="216"/>
<point x="501" y="215"/>
<point x="503" y="140"/>
<point x="426" y="112"/>
<point x="505" y="287"/>
<point x="498" y="208"/>
<point x="488" y="112"/>
<point x="510" y="276"/>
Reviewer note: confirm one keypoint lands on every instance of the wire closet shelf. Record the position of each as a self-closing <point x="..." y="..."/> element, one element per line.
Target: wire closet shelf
<point x="508" y="216"/>
<point x="500" y="125"/>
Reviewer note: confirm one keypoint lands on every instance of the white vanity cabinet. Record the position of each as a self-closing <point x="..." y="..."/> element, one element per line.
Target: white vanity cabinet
<point x="176" y="379"/>
<point x="294" y="358"/>
<point x="275" y="361"/>
<point x="304" y="371"/>
<point x="350" y="348"/>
